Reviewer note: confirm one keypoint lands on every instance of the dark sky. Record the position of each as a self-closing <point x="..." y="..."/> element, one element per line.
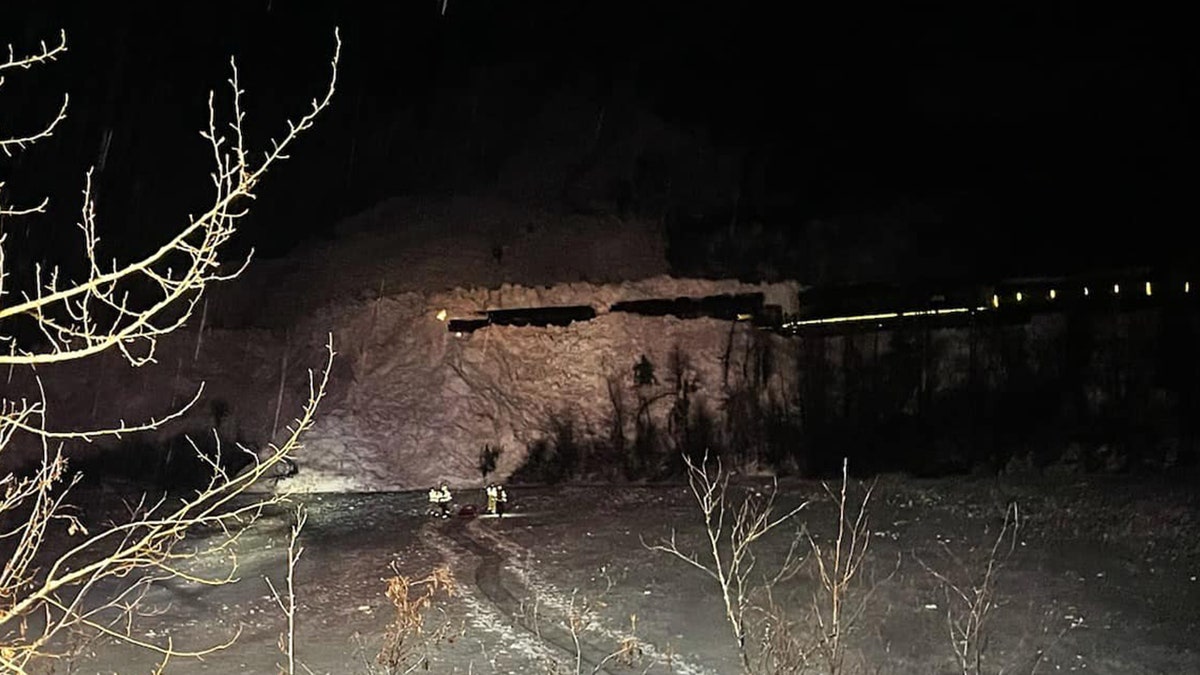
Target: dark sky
<point x="1032" y="140"/>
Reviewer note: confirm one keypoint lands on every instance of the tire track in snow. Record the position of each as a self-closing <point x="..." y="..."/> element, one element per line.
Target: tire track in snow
<point x="487" y="580"/>
<point x="482" y="615"/>
<point x="506" y="550"/>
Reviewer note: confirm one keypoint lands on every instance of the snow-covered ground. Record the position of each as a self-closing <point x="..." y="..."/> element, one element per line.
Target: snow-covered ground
<point x="1102" y="580"/>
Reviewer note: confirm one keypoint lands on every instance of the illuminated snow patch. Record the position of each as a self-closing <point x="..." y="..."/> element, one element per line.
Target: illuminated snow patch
<point x="483" y="617"/>
<point x="547" y="595"/>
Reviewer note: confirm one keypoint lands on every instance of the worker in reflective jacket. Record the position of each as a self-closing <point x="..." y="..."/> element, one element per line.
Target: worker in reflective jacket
<point x="501" y="500"/>
<point x="440" y="498"/>
<point x="491" y="493"/>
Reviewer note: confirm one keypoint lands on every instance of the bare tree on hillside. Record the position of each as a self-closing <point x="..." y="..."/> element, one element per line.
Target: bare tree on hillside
<point x="52" y="569"/>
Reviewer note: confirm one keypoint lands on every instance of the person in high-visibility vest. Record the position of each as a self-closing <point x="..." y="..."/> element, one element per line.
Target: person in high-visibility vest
<point x="501" y="500"/>
<point x="440" y="497"/>
<point x="491" y="493"/>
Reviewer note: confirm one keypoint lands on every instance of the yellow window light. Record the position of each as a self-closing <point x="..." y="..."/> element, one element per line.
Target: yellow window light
<point x="1148" y="288"/>
<point x="441" y="315"/>
<point x="1019" y="296"/>
<point x="874" y="317"/>
<point x="1116" y="289"/>
<point x="845" y="319"/>
<point x="995" y="301"/>
<point x="1187" y="287"/>
<point x="1052" y="294"/>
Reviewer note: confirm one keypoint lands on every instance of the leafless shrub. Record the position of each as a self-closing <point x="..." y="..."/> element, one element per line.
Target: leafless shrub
<point x="970" y="592"/>
<point x="732" y="531"/>
<point x="628" y="652"/>
<point x="838" y="564"/>
<point x="411" y="637"/>
<point x="287" y="601"/>
<point x="42" y="602"/>
<point x="782" y="645"/>
<point x="770" y="637"/>
<point x="46" y="594"/>
<point x="578" y="618"/>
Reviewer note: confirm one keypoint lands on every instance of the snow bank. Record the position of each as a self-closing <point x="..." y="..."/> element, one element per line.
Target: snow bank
<point x="409" y="403"/>
<point x="420" y="403"/>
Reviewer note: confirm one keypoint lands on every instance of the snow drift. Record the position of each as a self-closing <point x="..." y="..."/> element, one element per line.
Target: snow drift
<point x="410" y="402"/>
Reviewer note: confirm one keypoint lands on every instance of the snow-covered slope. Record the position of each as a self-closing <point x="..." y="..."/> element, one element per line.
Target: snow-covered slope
<point x="420" y="402"/>
<point x="427" y="245"/>
<point x="409" y="402"/>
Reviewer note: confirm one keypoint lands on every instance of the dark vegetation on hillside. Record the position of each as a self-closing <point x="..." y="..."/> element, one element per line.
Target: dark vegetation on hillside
<point x="1082" y="393"/>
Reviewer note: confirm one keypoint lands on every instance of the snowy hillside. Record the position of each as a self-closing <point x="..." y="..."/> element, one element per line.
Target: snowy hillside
<point x="421" y="402"/>
<point x="410" y="401"/>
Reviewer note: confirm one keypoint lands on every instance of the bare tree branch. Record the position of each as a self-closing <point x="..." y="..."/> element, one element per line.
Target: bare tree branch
<point x="84" y="318"/>
<point x="48" y="592"/>
<point x="730" y="559"/>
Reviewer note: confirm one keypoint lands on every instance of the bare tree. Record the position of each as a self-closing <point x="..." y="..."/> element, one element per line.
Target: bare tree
<point x="771" y="639"/>
<point x="49" y="591"/>
<point x="838" y="564"/>
<point x="732" y="531"/>
<point x="412" y="637"/>
<point x="970" y="590"/>
<point x="286" y="601"/>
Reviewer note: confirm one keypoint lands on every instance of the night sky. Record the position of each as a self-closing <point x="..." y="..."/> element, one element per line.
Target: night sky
<point x="969" y="141"/>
